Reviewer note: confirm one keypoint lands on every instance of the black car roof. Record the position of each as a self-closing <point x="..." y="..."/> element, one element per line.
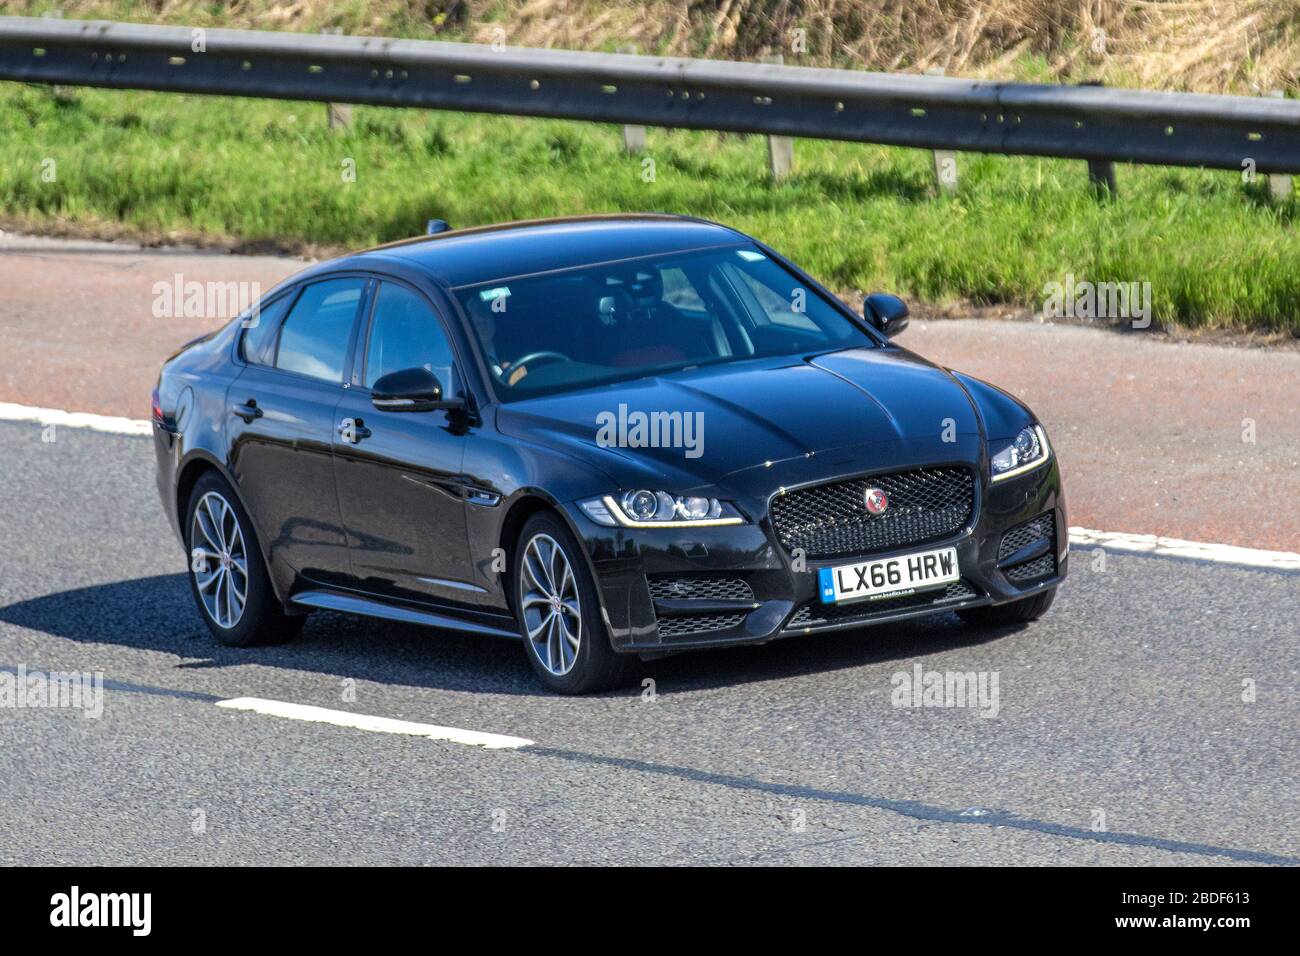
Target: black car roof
<point x="487" y="253"/>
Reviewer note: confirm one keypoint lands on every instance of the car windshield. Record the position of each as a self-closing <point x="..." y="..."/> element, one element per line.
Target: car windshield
<point x="625" y="320"/>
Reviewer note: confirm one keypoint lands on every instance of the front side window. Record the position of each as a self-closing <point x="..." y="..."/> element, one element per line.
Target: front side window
<point x="621" y="321"/>
<point x="314" y="339"/>
<point x="405" y="333"/>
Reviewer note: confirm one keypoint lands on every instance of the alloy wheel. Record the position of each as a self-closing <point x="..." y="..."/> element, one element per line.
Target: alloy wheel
<point x="552" y="610"/>
<point x="219" y="560"/>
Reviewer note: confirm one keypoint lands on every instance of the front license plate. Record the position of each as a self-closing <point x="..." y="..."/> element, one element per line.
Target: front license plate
<point x="888" y="577"/>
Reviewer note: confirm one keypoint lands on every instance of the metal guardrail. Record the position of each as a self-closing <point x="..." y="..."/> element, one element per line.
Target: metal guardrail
<point x="1091" y="123"/>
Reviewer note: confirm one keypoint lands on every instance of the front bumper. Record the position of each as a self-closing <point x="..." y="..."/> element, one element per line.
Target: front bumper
<point x="781" y="601"/>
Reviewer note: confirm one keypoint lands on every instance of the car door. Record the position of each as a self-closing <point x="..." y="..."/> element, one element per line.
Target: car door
<point x="399" y="473"/>
<point x="282" y="424"/>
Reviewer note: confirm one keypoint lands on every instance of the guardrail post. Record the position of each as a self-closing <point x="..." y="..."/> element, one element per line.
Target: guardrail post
<point x="1279" y="184"/>
<point x="633" y="136"/>
<point x="945" y="160"/>
<point x="780" y="149"/>
<point x="338" y="115"/>
<point x="1101" y="172"/>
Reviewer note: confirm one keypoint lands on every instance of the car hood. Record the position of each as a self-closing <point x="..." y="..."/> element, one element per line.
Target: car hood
<point x="842" y="412"/>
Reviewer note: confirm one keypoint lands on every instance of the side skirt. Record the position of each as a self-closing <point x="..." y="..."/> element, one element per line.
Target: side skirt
<point x="366" y="607"/>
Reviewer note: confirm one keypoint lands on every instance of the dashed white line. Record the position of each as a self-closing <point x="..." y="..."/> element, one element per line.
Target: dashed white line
<point x="112" y="424"/>
<point x="1178" y="548"/>
<point x="383" y="725"/>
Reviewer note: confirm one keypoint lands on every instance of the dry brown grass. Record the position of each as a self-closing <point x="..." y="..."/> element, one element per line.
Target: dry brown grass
<point x="1243" y="46"/>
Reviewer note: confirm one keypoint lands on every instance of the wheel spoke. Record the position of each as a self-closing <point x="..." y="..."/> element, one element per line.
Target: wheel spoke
<point x="203" y="521"/>
<point x="570" y="636"/>
<point x="236" y="539"/>
<point x="554" y="658"/>
<point x="218" y="597"/>
<point x="230" y="602"/>
<point x="216" y="524"/>
<point x="535" y="631"/>
<point x="558" y="568"/>
<point x="542" y="571"/>
<point x="535" y="597"/>
<point x="240" y="596"/>
<point x="533" y="563"/>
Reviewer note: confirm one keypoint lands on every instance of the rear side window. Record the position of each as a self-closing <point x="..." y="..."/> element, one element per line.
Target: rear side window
<point x="258" y="345"/>
<point x="314" y="339"/>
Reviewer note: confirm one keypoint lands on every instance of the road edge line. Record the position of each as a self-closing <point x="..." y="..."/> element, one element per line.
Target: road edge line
<point x="1179" y="548"/>
<point x="111" y="424"/>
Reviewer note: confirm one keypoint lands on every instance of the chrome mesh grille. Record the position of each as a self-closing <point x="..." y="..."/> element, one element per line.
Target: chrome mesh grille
<point x="1038" y="568"/>
<point x="1044" y="566"/>
<point x="832" y="520"/>
<point x="698" y="624"/>
<point x="700" y="589"/>
<point x="1018" y="537"/>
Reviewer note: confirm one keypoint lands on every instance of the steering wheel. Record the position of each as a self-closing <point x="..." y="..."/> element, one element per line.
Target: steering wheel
<point x="537" y="356"/>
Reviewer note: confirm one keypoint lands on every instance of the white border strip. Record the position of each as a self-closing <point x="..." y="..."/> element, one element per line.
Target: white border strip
<point x="382" y="725"/>
<point x="1193" y="550"/>
<point x="55" y="416"/>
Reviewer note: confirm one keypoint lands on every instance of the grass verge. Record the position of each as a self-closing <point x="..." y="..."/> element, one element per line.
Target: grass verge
<point x="1216" y="252"/>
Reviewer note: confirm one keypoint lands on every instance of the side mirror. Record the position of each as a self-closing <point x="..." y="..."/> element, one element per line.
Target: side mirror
<point x="886" y="313"/>
<point x="411" y="390"/>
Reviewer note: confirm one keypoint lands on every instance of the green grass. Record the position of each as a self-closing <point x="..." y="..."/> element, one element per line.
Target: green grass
<point x="1216" y="252"/>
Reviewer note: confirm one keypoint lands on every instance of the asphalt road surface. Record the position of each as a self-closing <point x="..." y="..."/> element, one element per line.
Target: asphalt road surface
<point x="1119" y="732"/>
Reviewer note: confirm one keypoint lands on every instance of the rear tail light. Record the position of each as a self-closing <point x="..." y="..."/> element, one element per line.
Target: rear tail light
<point x="157" y="408"/>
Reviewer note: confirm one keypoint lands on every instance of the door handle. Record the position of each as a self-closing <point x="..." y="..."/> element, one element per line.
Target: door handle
<point x="248" y="411"/>
<point x="352" y="430"/>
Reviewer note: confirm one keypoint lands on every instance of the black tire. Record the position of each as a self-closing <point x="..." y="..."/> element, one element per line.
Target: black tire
<point x="596" y="666"/>
<point x="1016" y="612"/>
<point x="262" y="619"/>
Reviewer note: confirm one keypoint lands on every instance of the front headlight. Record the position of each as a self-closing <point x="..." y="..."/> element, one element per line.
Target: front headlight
<point x="659" y="509"/>
<point x="1025" y="453"/>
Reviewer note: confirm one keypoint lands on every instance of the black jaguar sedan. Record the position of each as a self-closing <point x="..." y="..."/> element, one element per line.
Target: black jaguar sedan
<point x="612" y="436"/>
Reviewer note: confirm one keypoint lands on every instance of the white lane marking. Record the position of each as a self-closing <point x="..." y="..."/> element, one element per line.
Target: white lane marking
<point x="56" y="416"/>
<point x="383" y="725"/>
<point x="1178" y="548"/>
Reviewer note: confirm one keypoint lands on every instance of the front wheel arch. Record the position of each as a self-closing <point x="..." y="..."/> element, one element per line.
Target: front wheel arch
<point x="524" y="507"/>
